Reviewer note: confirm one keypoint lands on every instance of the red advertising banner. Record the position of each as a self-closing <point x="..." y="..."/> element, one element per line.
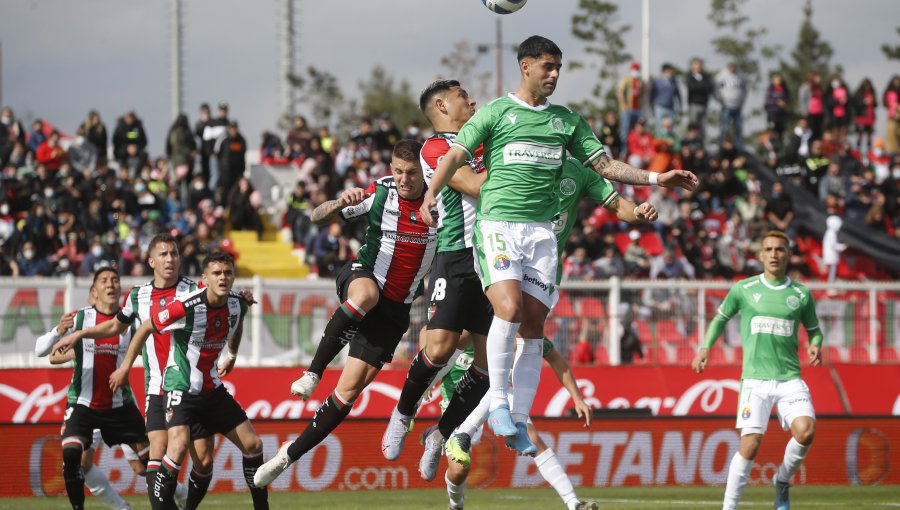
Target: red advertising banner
<point x="656" y="451"/>
<point x="39" y="395"/>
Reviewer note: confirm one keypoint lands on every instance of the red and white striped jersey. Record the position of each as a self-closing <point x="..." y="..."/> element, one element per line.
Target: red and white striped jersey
<point x="142" y="302"/>
<point x="95" y="360"/>
<point x="399" y="246"/>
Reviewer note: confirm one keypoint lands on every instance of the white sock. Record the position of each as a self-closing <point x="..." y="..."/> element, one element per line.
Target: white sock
<point x="456" y="493"/>
<point x="548" y="465"/>
<point x="526" y="374"/>
<point x="794" y="453"/>
<point x="97" y="482"/>
<point x="500" y="346"/>
<point x="738" y="472"/>
<point x="476" y="418"/>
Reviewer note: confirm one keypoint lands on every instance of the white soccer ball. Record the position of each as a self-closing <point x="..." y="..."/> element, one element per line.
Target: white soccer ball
<point x="504" y="6"/>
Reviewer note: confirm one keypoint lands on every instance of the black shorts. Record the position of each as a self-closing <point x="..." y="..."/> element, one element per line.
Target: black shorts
<point x="121" y="425"/>
<point x="213" y="413"/>
<point x="457" y="299"/>
<point x="383" y="326"/>
<point x="156" y="417"/>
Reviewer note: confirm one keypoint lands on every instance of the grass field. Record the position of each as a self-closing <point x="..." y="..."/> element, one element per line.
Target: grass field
<point x="632" y="498"/>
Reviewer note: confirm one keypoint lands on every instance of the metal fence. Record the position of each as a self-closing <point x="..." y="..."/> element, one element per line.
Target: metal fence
<point x="601" y="322"/>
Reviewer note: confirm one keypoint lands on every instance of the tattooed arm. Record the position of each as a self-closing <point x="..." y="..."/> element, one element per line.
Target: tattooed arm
<point x="329" y="211"/>
<point x="620" y="171"/>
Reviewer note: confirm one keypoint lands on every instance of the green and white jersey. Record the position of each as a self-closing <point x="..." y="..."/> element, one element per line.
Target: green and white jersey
<point x="576" y="183"/>
<point x="95" y="360"/>
<point x="771" y="313"/>
<point x="199" y="333"/>
<point x="456" y="211"/>
<point x="524" y="151"/>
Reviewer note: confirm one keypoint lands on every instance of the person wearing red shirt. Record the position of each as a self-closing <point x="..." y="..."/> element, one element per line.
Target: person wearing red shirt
<point x="50" y="154"/>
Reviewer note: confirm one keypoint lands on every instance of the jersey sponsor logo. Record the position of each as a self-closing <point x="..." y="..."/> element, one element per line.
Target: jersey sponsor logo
<point x="512" y="118"/>
<point x="534" y="281"/>
<point x="757" y="297"/>
<point x="771" y="326"/>
<point x="409" y="237"/>
<point x="501" y="262"/>
<point x="523" y="152"/>
<point x="567" y="186"/>
<point x="558" y="125"/>
<point x="793" y="302"/>
<point x="163" y="316"/>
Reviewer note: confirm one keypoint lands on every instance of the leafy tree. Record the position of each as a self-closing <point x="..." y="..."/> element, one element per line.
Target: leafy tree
<point x="595" y="23"/>
<point x="461" y="64"/>
<point x="810" y="54"/>
<point x="320" y="92"/>
<point x="892" y="52"/>
<point x="380" y="94"/>
<point x="741" y="44"/>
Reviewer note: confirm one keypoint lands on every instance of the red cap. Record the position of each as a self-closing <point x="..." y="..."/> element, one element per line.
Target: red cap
<point x="635" y="65"/>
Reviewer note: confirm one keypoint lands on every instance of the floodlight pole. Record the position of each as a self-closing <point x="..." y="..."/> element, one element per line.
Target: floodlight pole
<point x="498" y="52"/>
<point x="286" y="70"/>
<point x="177" y="83"/>
<point x="645" y="40"/>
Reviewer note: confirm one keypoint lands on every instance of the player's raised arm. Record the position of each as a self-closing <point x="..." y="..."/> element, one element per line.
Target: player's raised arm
<point x="632" y="213"/>
<point x="620" y="171"/>
<point x="468" y="183"/>
<point x="58" y="358"/>
<point x="118" y="378"/>
<point x="329" y="211"/>
<point x="44" y="344"/>
<point x="564" y="373"/>
<point x="446" y="169"/>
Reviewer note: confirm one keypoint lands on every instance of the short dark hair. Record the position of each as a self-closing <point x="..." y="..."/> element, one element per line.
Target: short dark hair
<point x="163" y="237"/>
<point x="407" y="150"/>
<point x="104" y="269"/>
<point x="436" y="87"/>
<point x="218" y="256"/>
<point x="535" y="46"/>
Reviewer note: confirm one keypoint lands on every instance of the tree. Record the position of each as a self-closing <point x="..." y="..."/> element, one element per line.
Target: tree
<point x="319" y="90"/>
<point x="381" y="95"/>
<point x="892" y="52"/>
<point x="740" y="44"/>
<point x="810" y="54"/>
<point x="595" y="23"/>
<point x="461" y="64"/>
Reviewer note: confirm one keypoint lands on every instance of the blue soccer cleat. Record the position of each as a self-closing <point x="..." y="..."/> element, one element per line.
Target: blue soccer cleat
<point x="501" y="422"/>
<point x="521" y="443"/>
<point x="782" y="496"/>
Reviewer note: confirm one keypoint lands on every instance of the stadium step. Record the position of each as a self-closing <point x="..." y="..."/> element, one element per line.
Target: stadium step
<point x="269" y="257"/>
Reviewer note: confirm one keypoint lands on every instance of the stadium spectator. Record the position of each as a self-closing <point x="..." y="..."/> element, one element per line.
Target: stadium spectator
<point x="330" y="248"/>
<point x="609" y="133"/>
<point x="129" y="140"/>
<point x="298" y="138"/>
<point x="214" y="131"/>
<point x="815" y="166"/>
<point x="181" y="149"/>
<point x="243" y="207"/>
<point x="777" y="103"/>
<point x="731" y="91"/>
<point x="386" y="136"/>
<point x="636" y="256"/>
<point x="50" y="153"/>
<point x="30" y="264"/>
<point x="296" y="217"/>
<point x="700" y="88"/>
<point x="640" y="145"/>
<point x="811" y="100"/>
<point x="630" y="95"/>
<point x="665" y="97"/>
<point x="837" y="107"/>
<point x="232" y="161"/>
<point x="12" y="127"/>
<point x="892" y="104"/>
<point x="610" y="264"/>
<point x="577" y="266"/>
<point x="779" y="209"/>
<point x="95" y="132"/>
<point x="36" y="136"/>
<point x="83" y="155"/>
<point x="865" y="101"/>
<point x="206" y="146"/>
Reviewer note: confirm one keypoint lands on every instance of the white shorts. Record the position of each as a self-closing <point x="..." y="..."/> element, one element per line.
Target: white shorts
<point x="518" y="251"/>
<point x="790" y="399"/>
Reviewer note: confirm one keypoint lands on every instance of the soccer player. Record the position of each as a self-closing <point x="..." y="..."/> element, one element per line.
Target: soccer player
<point x="142" y="302"/>
<point x="202" y="324"/>
<point x="94" y="478"/>
<point x="545" y="460"/>
<point x="772" y="308"/>
<point x="398" y="251"/>
<point x="457" y="300"/>
<point x="526" y="140"/>
<point x="91" y="403"/>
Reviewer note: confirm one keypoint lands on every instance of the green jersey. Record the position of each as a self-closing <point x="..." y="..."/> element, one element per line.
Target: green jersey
<point x="524" y="151"/>
<point x="577" y="182"/>
<point x="770" y="316"/>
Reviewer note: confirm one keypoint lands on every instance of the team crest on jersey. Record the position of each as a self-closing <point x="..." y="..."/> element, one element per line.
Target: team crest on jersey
<point x="558" y="125"/>
<point x="412" y="217"/>
<point x="793" y="302"/>
<point x="162" y="301"/>
<point x="169" y="413"/>
<point x="431" y="310"/>
<point x="501" y="262"/>
<point x="218" y="324"/>
<point x="745" y="414"/>
<point x="567" y="187"/>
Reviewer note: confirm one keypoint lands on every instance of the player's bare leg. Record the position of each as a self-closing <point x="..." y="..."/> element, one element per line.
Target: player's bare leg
<point x="247" y="440"/>
<point x="739" y="469"/>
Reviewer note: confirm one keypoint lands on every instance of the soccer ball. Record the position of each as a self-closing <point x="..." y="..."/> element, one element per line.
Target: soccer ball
<point x="504" y="6"/>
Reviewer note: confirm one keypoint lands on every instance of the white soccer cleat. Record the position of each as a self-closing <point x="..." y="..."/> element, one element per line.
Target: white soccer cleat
<point x="395" y="435"/>
<point x="269" y="471"/>
<point x="305" y="386"/>
<point x="433" y="442"/>
<point x="180" y="497"/>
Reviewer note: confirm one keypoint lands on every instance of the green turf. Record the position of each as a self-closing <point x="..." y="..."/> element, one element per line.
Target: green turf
<point x="631" y="498"/>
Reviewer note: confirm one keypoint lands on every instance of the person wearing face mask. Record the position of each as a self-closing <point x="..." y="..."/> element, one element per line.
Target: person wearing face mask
<point x="7" y="222"/>
<point x="50" y="154"/>
<point x="95" y="258"/>
<point x="15" y="132"/>
<point x="630" y="93"/>
<point x="82" y="153"/>
<point x="29" y="264"/>
<point x="837" y="104"/>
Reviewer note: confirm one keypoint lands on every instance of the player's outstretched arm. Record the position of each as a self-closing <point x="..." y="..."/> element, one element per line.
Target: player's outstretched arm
<point x="226" y="364"/>
<point x="716" y="328"/>
<point x="329" y="211"/>
<point x="620" y="171"/>
<point x="44" y="344"/>
<point x="629" y="212"/>
<point x="58" y="358"/>
<point x="564" y="373"/>
<point x="102" y="330"/>
<point x="449" y="164"/>
<point x="468" y="183"/>
<point x="118" y="378"/>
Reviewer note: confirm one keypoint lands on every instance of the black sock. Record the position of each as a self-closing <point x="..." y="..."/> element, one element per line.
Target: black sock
<point x="341" y="328"/>
<point x="162" y="492"/>
<point x="260" y="495"/>
<point x="152" y="467"/>
<point x="73" y="475"/>
<point x="329" y="415"/>
<point x="471" y="387"/>
<point x="419" y="378"/>
<point x="198" y="484"/>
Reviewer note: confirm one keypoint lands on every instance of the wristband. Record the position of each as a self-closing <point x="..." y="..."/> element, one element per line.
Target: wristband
<point x="231" y="355"/>
<point x="654" y="179"/>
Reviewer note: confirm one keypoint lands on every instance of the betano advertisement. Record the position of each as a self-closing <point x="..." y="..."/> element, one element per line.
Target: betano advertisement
<point x="39" y="395"/>
<point x="657" y="451"/>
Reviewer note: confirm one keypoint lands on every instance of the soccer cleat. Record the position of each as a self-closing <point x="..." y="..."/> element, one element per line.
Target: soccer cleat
<point x="501" y="422"/>
<point x="126" y="506"/>
<point x="395" y="435"/>
<point x="269" y="471"/>
<point x="459" y="448"/>
<point x="180" y="497"/>
<point x="305" y="386"/>
<point x="454" y="507"/>
<point x="587" y="505"/>
<point x="433" y="442"/>
<point x="782" y="498"/>
<point x="520" y="442"/>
